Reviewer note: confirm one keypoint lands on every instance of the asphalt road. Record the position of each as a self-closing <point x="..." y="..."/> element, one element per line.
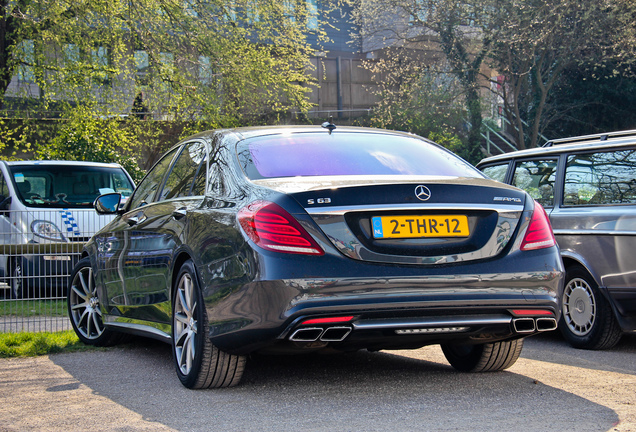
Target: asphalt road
<point x="134" y="388"/>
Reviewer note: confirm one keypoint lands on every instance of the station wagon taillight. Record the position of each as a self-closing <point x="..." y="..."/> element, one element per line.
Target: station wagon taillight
<point x="539" y="233"/>
<point x="272" y="228"/>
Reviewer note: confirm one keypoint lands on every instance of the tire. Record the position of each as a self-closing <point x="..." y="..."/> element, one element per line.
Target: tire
<point x="84" y="307"/>
<point x="587" y="321"/>
<point x="16" y="278"/>
<point x="199" y="364"/>
<point x="491" y="357"/>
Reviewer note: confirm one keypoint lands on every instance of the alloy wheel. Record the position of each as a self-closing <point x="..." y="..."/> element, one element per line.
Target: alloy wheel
<point x="84" y="305"/>
<point x="185" y="324"/>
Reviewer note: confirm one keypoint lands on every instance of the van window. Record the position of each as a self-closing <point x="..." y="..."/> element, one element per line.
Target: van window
<point x="600" y="178"/>
<point x="64" y="186"/>
<point x="537" y="178"/>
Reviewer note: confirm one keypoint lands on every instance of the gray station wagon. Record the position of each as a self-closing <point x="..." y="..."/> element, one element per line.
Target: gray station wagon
<point x="587" y="185"/>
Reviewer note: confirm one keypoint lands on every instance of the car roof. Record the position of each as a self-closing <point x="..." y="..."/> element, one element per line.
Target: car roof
<point x="256" y="131"/>
<point x="62" y="163"/>
<point x="585" y="142"/>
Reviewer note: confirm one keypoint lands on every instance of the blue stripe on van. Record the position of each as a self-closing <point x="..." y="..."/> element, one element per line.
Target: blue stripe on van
<point x="69" y="222"/>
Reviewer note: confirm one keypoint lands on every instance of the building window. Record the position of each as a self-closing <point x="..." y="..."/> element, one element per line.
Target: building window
<point x="312" y="15"/>
<point x="26" y="51"/>
<point x="205" y="70"/>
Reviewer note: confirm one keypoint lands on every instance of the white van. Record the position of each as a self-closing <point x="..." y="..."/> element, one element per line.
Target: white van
<point x="46" y="216"/>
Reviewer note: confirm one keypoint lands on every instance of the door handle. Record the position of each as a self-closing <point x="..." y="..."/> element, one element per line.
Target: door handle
<point x="138" y="218"/>
<point x="179" y="213"/>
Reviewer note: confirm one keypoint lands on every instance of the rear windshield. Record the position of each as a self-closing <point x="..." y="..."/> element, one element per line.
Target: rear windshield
<point x="58" y="186"/>
<point x="344" y="153"/>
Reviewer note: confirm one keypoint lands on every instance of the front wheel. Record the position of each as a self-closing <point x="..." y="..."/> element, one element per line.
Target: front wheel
<point x="198" y="362"/>
<point x="84" y="307"/>
<point x="490" y="357"/>
<point x="587" y="320"/>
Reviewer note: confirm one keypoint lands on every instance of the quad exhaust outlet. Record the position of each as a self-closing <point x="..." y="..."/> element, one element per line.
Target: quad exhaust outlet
<point x="530" y="325"/>
<point x="328" y="334"/>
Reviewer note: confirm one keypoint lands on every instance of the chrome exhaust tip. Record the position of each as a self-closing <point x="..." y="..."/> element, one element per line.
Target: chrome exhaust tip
<point x="310" y="334"/>
<point x="546" y="324"/>
<point x="523" y="325"/>
<point x="335" y="334"/>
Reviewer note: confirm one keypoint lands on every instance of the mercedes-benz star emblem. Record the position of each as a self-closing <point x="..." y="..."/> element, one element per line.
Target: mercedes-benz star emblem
<point x="422" y="193"/>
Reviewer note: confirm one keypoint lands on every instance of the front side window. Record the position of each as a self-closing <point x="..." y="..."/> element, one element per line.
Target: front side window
<point x="537" y="178"/>
<point x="64" y="186"/>
<point x="600" y="178"/>
<point x="145" y="192"/>
<point x="347" y="153"/>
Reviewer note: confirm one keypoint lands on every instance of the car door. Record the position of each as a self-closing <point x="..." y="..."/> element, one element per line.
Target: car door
<point x="153" y="232"/>
<point x="596" y="218"/>
<point x="120" y="252"/>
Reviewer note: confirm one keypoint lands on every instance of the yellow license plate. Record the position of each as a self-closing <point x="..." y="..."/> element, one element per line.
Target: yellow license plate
<point x="420" y="226"/>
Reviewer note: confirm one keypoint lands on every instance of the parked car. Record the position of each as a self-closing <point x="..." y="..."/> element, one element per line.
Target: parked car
<point x="46" y="214"/>
<point x="588" y="186"/>
<point x="298" y="239"/>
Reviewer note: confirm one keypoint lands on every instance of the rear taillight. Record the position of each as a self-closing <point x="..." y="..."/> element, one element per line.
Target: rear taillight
<point x="539" y="233"/>
<point x="272" y="228"/>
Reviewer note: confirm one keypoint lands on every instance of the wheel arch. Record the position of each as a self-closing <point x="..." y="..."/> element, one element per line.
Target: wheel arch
<point x="570" y="259"/>
<point x="181" y="258"/>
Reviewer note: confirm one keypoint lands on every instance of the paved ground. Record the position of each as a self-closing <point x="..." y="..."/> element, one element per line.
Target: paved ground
<point x="133" y="388"/>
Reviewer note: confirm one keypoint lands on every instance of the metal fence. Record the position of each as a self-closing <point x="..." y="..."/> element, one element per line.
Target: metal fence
<point x="38" y="250"/>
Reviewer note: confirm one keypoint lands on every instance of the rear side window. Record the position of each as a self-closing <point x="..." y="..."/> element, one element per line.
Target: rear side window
<point x="184" y="170"/>
<point x="496" y="172"/>
<point x="600" y="178"/>
<point x="345" y="153"/>
<point x="537" y="178"/>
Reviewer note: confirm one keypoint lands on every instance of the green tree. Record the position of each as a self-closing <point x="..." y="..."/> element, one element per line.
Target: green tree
<point x="456" y="35"/>
<point x="198" y="64"/>
<point x="539" y="40"/>
<point x="85" y="137"/>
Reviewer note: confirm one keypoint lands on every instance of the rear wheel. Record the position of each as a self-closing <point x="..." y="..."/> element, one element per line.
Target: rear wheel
<point x="587" y="320"/>
<point x="490" y="357"/>
<point x="198" y="362"/>
<point x="84" y="307"/>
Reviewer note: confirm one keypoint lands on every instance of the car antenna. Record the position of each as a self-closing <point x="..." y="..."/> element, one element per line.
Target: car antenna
<point x="329" y="125"/>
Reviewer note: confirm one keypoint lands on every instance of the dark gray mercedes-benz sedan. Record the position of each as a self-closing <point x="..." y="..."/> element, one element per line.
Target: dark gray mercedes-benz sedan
<point x="296" y="239"/>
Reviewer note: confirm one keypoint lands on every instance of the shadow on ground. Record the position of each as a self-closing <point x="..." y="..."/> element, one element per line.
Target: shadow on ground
<point x="360" y="391"/>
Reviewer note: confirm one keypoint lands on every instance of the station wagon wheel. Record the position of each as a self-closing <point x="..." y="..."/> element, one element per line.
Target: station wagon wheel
<point x="84" y="307"/>
<point x="491" y="357"/>
<point x="587" y="320"/>
<point x="198" y="362"/>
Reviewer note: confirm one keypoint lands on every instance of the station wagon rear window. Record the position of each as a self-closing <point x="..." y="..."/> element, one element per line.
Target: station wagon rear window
<point x="321" y="154"/>
<point x="600" y="178"/>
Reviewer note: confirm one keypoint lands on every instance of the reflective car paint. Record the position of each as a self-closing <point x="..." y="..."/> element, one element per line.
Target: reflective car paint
<point x="398" y="293"/>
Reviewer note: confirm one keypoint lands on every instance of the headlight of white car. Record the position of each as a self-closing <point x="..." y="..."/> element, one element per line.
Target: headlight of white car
<point x="46" y="230"/>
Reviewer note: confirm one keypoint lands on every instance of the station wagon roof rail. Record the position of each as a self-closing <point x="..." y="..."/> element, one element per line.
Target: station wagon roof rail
<point x="594" y="137"/>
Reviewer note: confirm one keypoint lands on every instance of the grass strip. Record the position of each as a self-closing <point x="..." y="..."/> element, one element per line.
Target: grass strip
<point x="36" y="307"/>
<point x="42" y="343"/>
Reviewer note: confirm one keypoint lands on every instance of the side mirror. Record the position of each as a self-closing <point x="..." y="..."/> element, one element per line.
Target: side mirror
<point x="4" y="202"/>
<point x="107" y="203"/>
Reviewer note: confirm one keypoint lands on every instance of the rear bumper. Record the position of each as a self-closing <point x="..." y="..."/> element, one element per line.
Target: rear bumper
<point x="386" y="313"/>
